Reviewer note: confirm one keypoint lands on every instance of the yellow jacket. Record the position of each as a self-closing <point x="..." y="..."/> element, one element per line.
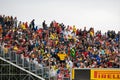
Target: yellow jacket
<point x="74" y="28"/>
<point x="5" y="50"/>
<point x="23" y="26"/>
<point x="15" y="48"/>
<point x="62" y="56"/>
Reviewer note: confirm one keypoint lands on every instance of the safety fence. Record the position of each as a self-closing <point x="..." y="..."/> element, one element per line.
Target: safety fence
<point x="25" y="63"/>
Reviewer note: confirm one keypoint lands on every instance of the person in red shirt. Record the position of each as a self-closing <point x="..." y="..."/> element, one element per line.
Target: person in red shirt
<point x="60" y="76"/>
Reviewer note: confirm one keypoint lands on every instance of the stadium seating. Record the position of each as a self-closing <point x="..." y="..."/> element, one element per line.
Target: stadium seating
<point x="57" y="47"/>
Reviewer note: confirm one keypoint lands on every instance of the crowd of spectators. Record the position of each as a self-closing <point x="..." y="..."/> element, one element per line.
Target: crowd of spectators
<point x="59" y="46"/>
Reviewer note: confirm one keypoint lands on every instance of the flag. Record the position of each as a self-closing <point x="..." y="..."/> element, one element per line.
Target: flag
<point x="72" y="52"/>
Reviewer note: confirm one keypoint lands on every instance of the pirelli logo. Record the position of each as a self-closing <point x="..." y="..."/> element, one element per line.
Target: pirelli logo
<point x="105" y="74"/>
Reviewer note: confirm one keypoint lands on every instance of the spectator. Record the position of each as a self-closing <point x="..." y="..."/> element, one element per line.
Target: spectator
<point x="32" y="24"/>
<point x="62" y="55"/>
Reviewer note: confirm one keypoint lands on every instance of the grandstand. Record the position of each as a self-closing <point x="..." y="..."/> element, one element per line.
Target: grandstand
<point x="51" y="52"/>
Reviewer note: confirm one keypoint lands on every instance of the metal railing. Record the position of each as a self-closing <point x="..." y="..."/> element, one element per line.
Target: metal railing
<point x="26" y="65"/>
<point x="16" y="60"/>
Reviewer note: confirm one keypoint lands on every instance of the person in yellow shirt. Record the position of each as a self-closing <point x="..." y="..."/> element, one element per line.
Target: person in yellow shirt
<point x="74" y="29"/>
<point x="5" y="50"/>
<point x="52" y="36"/>
<point x="92" y="32"/>
<point x="15" y="48"/>
<point x="23" y="26"/>
<point x="6" y="53"/>
<point x="62" y="55"/>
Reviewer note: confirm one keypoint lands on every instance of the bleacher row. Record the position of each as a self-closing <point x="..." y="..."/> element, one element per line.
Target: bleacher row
<point x="58" y="46"/>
